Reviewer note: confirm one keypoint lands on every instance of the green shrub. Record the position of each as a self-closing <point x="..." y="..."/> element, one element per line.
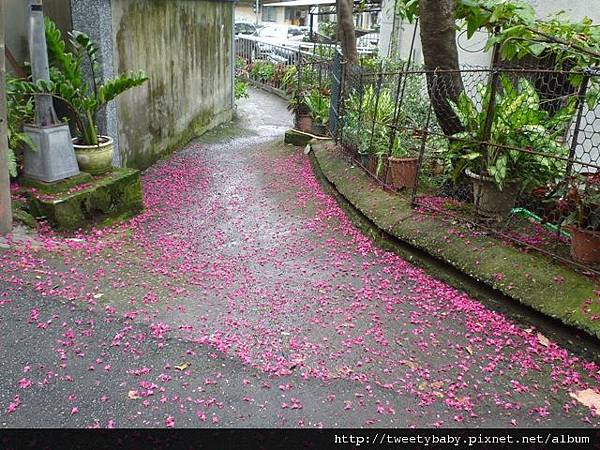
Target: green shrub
<point x="240" y="89"/>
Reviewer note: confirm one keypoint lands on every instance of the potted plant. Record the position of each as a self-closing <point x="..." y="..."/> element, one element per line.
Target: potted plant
<point x="84" y="98"/>
<point x="319" y="108"/>
<point x="403" y="162"/>
<point x="584" y="220"/>
<point x="374" y="115"/>
<point x="302" y="116"/>
<point x="508" y="161"/>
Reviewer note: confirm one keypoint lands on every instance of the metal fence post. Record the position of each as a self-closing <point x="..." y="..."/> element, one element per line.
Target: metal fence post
<point x="424" y="137"/>
<point x="394" y="127"/>
<point x="580" y="106"/>
<point x="486" y="132"/>
<point x="378" y="94"/>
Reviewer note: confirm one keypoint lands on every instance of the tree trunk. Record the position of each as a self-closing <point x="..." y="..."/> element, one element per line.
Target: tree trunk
<point x="5" y="206"/>
<point x="346" y="32"/>
<point x="438" y="38"/>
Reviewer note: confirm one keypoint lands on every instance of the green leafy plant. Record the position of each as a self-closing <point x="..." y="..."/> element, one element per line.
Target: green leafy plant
<point x="523" y="142"/>
<point x="374" y="114"/>
<point x="583" y="200"/>
<point x="68" y="83"/>
<point x="290" y="78"/>
<point x="240" y="63"/>
<point x="328" y="29"/>
<point x="297" y="105"/>
<point x="240" y="89"/>
<point x="318" y="105"/>
<point x="262" y="71"/>
<point x="406" y="144"/>
<point x="20" y="111"/>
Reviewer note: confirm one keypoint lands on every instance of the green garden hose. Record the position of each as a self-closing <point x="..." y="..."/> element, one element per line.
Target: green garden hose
<point x="549" y="226"/>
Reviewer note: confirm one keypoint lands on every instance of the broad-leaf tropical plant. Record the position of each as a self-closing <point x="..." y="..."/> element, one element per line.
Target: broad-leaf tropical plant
<point x="318" y="105"/>
<point x="524" y="143"/>
<point x="20" y="111"/>
<point x="83" y="96"/>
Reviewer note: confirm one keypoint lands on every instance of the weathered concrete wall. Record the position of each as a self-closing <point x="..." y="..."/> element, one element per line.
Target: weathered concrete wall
<point x="15" y="21"/>
<point x="185" y="48"/>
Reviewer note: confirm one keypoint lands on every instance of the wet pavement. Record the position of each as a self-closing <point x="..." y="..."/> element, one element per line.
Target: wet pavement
<point x="243" y="297"/>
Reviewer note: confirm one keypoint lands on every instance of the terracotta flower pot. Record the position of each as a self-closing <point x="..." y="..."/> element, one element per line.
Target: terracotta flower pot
<point x="304" y="122"/>
<point x="95" y="159"/>
<point x="585" y="245"/>
<point x="489" y="200"/>
<point x="402" y="172"/>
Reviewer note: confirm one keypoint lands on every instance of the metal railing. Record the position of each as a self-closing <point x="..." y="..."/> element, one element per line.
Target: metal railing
<point x="276" y="66"/>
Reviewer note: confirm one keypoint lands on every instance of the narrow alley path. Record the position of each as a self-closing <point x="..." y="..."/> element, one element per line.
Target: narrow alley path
<point x="244" y="297"/>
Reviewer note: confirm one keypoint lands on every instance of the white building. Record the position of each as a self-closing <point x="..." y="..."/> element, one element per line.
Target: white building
<point x="245" y="11"/>
<point x="396" y="35"/>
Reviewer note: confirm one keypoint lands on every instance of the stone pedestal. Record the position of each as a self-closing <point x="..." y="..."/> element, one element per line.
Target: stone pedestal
<point x="53" y="158"/>
<point x="103" y="200"/>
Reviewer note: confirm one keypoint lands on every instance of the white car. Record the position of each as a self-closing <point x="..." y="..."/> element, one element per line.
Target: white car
<point x="280" y="33"/>
<point x="278" y="43"/>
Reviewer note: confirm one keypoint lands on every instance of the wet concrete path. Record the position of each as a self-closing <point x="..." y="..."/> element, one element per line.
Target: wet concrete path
<point x="243" y="297"/>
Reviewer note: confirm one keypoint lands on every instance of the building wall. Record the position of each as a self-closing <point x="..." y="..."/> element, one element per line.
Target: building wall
<point x="185" y="48"/>
<point x="15" y="23"/>
<point x="277" y="13"/>
<point x="244" y="13"/>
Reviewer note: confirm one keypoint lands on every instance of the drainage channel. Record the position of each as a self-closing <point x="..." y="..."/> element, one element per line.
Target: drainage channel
<point x="573" y="339"/>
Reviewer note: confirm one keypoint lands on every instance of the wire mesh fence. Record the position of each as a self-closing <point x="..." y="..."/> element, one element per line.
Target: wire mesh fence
<point x="515" y="152"/>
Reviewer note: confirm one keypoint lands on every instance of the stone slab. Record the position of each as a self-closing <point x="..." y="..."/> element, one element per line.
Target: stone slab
<point x="56" y="186"/>
<point x="110" y="197"/>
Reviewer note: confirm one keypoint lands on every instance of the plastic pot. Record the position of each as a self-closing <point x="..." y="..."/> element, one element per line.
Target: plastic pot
<point x="319" y="129"/>
<point x="304" y="122"/>
<point x="489" y="200"/>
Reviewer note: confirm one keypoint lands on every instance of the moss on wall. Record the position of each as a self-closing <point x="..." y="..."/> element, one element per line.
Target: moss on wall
<point x="185" y="48"/>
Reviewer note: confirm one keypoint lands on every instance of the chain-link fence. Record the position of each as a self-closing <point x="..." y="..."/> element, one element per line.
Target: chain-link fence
<point x="515" y="152"/>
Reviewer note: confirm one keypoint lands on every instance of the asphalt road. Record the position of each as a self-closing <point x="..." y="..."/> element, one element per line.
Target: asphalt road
<point x="244" y="297"/>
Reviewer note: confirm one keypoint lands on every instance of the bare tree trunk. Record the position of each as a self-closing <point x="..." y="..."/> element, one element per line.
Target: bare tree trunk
<point x="346" y="32"/>
<point x="5" y="205"/>
<point x="438" y="38"/>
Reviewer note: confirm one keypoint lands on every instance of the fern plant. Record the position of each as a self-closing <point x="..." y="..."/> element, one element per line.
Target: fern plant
<point x="84" y="97"/>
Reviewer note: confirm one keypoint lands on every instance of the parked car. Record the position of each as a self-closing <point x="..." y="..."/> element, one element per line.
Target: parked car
<point x="277" y="43"/>
<point x="245" y="29"/>
<point x="280" y="33"/>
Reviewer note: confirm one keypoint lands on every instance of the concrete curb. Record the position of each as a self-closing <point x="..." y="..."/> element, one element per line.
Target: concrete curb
<point x="529" y="278"/>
